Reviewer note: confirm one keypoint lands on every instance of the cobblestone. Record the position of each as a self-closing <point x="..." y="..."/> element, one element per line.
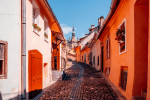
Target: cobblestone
<point x="82" y="83"/>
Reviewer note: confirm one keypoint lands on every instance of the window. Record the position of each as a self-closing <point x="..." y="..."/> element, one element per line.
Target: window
<point x="45" y="29"/>
<point x="107" y="71"/>
<point x="33" y="15"/>
<point x="89" y="57"/>
<point x="3" y="59"/>
<point x="98" y="61"/>
<point x="35" y="18"/>
<point x="123" y="77"/>
<point x="82" y="58"/>
<point x="122" y="42"/>
<point x="85" y="57"/>
<point x="108" y="48"/>
<point x="94" y="60"/>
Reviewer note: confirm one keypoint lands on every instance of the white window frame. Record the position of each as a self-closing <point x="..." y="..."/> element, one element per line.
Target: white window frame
<point x="108" y="48"/>
<point x="124" y="21"/>
<point x="36" y="19"/>
<point x="46" y="29"/>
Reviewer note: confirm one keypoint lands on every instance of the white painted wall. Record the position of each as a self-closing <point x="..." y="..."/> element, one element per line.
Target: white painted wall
<point x="10" y="31"/>
<point x="96" y="51"/>
<point x="88" y="38"/>
<point x="38" y="42"/>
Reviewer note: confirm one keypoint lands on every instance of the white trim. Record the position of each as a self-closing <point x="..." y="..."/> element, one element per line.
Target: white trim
<point x="125" y="38"/>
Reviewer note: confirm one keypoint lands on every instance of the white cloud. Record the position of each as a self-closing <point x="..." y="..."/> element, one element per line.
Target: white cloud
<point x="66" y="29"/>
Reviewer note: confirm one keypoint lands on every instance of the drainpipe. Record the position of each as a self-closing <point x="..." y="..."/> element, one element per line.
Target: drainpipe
<point x="23" y="50"/>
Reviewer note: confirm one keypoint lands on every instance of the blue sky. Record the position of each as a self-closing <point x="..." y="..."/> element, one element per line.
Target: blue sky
<point x="81" y="13"/>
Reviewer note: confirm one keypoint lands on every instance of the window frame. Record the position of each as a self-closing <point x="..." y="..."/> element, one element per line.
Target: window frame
<point x="124" y="21"/>
<point x="94" y="60"/>
<point x="108" y="48"/>
<point x="98" y="61"/>
<point x="122" y="71"/>
<point x="5" y="65"/>
<point x="46" y="26"/>
<point x="35" y="18"/>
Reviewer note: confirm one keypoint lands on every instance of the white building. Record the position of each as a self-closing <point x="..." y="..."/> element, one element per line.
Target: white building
<point x="26" y="27"/>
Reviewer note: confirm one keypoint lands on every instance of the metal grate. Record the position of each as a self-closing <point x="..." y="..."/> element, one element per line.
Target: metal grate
<point x="123" y="78"/>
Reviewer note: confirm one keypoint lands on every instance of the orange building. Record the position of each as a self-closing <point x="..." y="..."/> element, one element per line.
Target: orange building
<point x="124" y="46"/>
<point x="57" y="38"/>
<point x="77" y="49"/>
<point x="148" y="84"/>
<point x="85" y="54"/>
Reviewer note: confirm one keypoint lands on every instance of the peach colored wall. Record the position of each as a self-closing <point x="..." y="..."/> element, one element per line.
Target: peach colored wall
<point x="87" y="54"/>
<point x="125" y="11"/>
<point x="78" y="53"/>
<point x="37" y="41"/>
<point x="96" y="51"/>
<point x="85" y="51"/>
<point x="82" y="55"/>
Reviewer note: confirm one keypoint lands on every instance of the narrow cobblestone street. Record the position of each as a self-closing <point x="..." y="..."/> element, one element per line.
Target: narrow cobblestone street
<point x="82" y="83"/>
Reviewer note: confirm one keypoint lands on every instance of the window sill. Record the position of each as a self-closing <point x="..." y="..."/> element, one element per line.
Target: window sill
<point x="36" y="32"/>
<point x="3" y="77"/>
<point x="46" y="40"/>
<point x="122" y="89"/>
<point x="120" y="53"/>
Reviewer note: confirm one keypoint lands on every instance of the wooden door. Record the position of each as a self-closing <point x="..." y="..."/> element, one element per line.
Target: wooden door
<point x="35" y="73"/>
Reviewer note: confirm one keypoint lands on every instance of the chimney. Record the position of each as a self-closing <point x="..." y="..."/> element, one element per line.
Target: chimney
<point x="100" y="21"/>
<point x="92" y="26"/>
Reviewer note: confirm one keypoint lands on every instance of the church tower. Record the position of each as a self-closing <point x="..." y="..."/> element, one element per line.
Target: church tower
<point x="73" y="36"/>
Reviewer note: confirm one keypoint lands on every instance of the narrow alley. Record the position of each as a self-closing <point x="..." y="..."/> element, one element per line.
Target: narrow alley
<point x="82" y="82"/>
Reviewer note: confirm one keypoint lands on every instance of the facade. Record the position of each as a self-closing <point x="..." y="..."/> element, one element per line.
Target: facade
<point x="10" y="40"/>
<point x="119" y="49"/>
<point x="124" y="61"/>
<point x="95" y="52"/>
<point x="84" y="54"/>
<point x="25" y="48"/>
<point x="88" y="36"/>
<point x="77" y="49"/>
<point x="148" y="83"/>
<point x="63" y="54"/>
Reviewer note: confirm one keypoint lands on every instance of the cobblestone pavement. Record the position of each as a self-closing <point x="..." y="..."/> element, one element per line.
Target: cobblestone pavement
<point x="82" y="83"/>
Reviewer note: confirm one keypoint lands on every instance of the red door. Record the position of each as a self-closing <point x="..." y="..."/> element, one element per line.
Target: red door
<point x="35" y="73"/>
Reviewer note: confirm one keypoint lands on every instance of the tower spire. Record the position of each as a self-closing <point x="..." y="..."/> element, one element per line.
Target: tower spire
<point x="73" y="33"/>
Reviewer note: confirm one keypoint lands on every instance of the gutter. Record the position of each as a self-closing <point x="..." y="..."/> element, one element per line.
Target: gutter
<point x="113" y="7"/>
<point x="23" y="50"/>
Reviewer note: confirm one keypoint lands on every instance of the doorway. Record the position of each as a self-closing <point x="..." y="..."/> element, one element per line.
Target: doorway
<point x="102" y="58"/>
<point x="35" y="73"/>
